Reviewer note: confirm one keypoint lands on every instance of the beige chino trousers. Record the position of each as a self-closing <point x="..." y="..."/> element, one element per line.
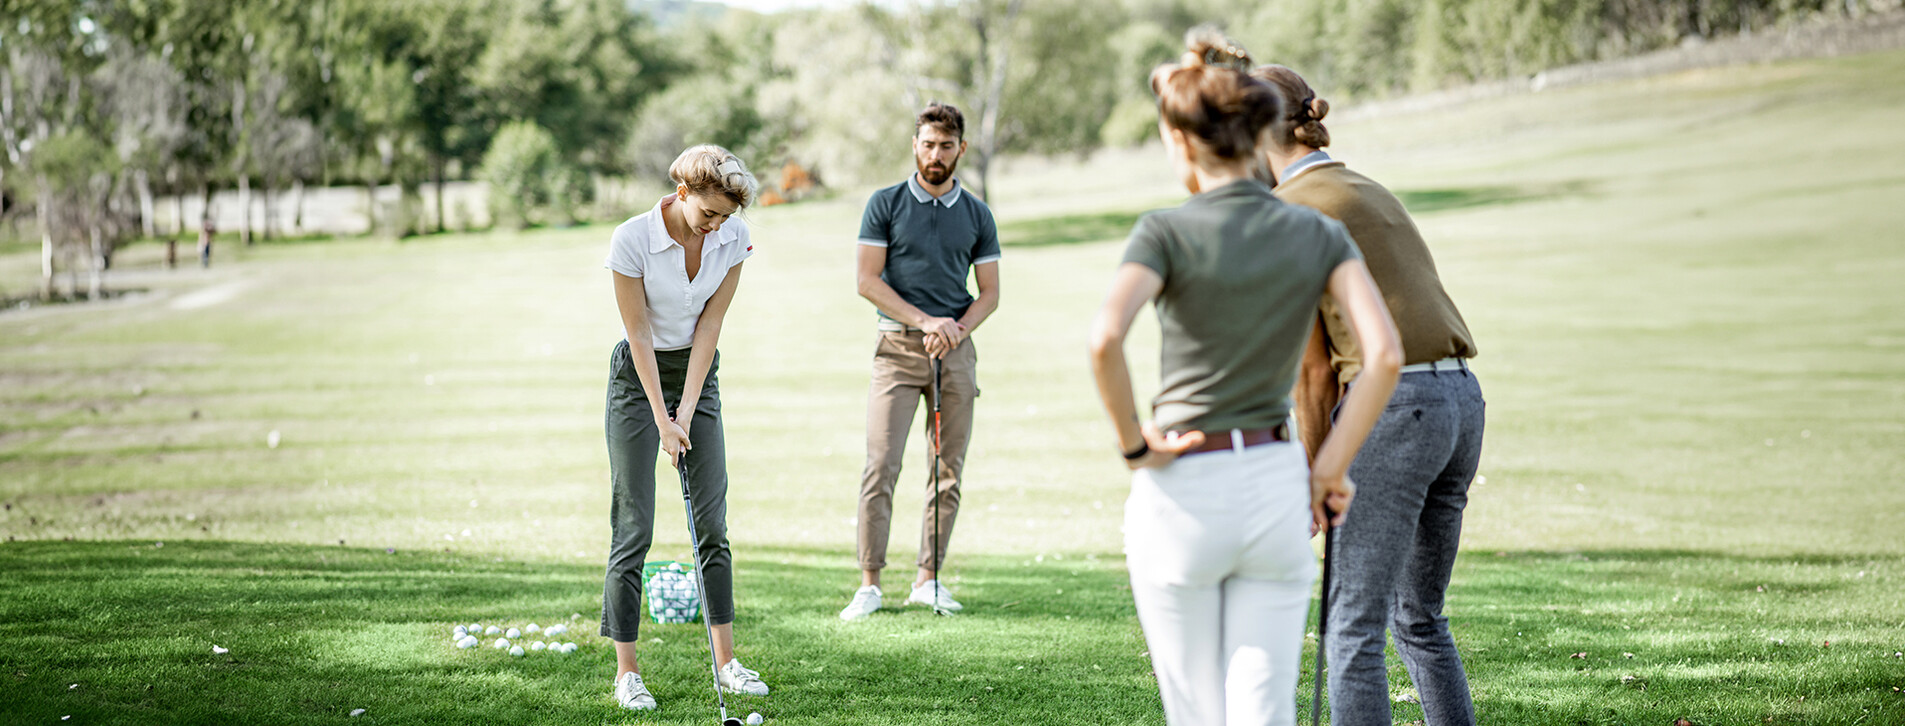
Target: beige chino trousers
<point x="902" y="378"/>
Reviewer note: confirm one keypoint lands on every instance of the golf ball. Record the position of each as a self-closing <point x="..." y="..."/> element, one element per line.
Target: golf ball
<point x="459" y="631"/>
<point x="533" y="629"/>
<point x="501" y="643"/>
<point x="492" y="630"/>
<point x="468" y="641"/>
<point x="556" y="629"/>
<point x="513" y="633"/>
<point x="475" y="627"/>
<point x="754" y="719"/>
<point x="568" y="647"/>
<point x="516" y="651"/>
<point x="538" y="645"/>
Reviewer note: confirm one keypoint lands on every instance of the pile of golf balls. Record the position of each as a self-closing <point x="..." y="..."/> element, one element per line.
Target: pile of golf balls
<point x="671" y="595"/>
<point x="465" y="637"/>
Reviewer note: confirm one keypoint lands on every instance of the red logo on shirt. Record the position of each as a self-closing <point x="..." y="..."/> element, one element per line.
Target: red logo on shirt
<point x="750" y="248"/>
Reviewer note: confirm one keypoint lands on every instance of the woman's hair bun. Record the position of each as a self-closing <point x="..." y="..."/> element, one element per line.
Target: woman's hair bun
<point x="708" y="169"/>
<point x="1206" y="45"/>
<point x="1209" y="94"/>
<point x="1303" y="122"/>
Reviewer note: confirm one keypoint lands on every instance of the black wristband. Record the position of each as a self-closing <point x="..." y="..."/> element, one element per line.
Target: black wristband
<point x="1144" y="447"/>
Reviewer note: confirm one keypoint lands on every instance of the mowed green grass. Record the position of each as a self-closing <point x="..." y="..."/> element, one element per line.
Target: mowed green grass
<point x="1684" y="289"/>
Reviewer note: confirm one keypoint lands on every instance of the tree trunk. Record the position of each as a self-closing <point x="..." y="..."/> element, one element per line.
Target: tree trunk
<point x="241" y="164"/>
<point x="271" y="217"/>
<point x="297" y="206"/>
<point x="72" y="275"/>
<point x="244" y="209"/>
<point x="43" y="207"/>
<point x="178" y="212"/>
<point x="95" y="282"/>
<point x="440" y="220"/>
<point x="147" y="225"/>
<point x="370" y="206"/>
<point x="995" y="51"/>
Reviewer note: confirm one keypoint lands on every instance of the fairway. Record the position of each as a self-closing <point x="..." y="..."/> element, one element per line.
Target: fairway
<point x="1685" y="290"/>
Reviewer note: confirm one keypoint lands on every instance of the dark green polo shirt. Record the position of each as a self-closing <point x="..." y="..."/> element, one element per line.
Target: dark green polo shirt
<point x="1243" y="273"/>
<point x="931" y="244"/>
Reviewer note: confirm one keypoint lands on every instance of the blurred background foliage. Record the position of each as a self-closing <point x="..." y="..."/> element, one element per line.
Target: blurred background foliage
<point x="110" y="108"/>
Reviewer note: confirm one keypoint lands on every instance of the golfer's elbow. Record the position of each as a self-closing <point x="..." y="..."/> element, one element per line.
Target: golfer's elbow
<point x="865" y="285"/>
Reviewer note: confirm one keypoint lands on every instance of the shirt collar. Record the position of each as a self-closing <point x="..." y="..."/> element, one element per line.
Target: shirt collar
<point x="659" y="240"/>
<point x="948" y="199"/>
<point x="1241" y="187"/>
<point x="1304" y="164"/>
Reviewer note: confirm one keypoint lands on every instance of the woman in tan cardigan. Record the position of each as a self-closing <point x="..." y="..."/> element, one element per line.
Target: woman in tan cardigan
<point x="1395" y="549"/>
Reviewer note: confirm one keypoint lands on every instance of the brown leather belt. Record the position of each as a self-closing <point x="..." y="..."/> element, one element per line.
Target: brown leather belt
<point x="1223" y="441"/>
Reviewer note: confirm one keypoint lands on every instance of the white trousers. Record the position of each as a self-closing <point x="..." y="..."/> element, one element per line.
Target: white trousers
<point x="1218" y="548"/>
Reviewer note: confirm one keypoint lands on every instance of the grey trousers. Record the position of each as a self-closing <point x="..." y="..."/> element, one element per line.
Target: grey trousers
<point x="633" y="445"/>
<point x="1393" y="554"/>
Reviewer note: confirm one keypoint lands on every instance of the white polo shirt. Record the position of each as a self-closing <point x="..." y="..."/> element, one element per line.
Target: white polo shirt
<point x="641" y="247"/>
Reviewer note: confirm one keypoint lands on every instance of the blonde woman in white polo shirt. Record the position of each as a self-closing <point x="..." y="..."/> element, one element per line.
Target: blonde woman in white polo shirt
<point x="675" y="269"/>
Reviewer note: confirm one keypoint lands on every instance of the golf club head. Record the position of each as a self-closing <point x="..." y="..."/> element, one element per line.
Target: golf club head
<point x="732" y="721"/>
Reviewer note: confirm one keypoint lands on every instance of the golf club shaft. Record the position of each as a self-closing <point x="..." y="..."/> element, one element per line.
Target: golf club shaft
<point x="1322" y="619"/>
<point x="701" y="586"/>
<point x="938" y="560"/>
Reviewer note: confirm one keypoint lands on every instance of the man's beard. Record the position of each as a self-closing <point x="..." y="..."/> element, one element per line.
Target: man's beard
<point x="935" y="174"/>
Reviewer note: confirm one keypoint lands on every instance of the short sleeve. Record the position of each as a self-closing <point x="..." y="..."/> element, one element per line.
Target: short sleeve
<point x="1146" y="246"/>
<point x="625" y="251"/>
<point x="876" y="226"/>
<point x="986" y="248"/>
<point x="1338" y="246"/>
<point x="743" y="243"/>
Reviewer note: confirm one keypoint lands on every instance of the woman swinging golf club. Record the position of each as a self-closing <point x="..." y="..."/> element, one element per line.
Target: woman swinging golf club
<point x="1222" y="502"/>
<point x="675" y="269"/>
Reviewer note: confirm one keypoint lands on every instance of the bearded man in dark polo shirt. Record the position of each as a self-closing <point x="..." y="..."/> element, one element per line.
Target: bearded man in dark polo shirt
<point x="918" y="242"/>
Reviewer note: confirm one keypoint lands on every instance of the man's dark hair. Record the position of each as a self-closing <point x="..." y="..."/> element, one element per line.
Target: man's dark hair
<point x="943" y="116"/>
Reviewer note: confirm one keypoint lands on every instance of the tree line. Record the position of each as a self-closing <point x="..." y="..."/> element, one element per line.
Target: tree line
<point x="107" y="106"/>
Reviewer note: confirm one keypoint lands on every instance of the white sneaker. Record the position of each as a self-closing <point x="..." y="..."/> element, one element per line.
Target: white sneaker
<point x="736" y="678"/>
<point x="926" y="592"/>
<point x="865" y="601"/>
<point x="631" y="694"/>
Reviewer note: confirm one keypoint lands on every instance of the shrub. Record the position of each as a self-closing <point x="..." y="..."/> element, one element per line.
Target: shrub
<point x="528" y="176"/>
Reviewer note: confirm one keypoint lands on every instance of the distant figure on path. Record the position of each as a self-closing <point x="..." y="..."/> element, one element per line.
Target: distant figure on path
<point x="1396" y="550"/>
<point x="675" y="269"/>
<point x="918" y="242"/>
<point x="1222" y="501"/>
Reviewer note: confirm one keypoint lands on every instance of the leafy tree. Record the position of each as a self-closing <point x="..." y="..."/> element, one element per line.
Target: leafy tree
<point x="527" y="174"/>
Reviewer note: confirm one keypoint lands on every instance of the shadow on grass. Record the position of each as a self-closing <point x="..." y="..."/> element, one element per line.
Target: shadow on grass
<point x="122" y="632"/>
<point x="315" y="632"/>
<point x="1430" y="201"/>
<point x="1068" y="229"/>
<point x="1651" y="636"/>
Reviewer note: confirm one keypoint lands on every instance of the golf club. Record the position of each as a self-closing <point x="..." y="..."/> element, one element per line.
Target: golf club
<point x="933" y="481"/>
<point x="1322" y="617"/>
<point x="701" y="588"/>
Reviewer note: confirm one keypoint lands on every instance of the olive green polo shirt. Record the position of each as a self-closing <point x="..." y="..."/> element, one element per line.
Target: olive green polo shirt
<point x="1243" y="274"/>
